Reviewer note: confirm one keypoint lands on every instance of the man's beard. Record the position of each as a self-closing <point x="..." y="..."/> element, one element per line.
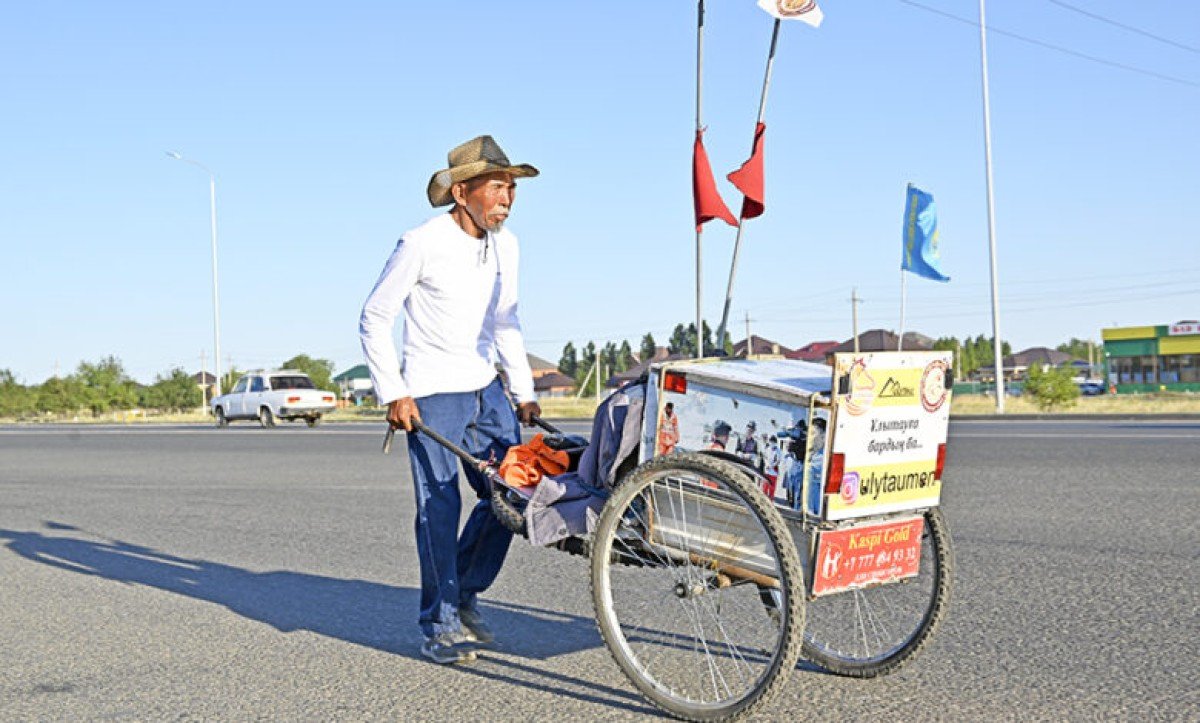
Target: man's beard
<point x="493" y="227"/>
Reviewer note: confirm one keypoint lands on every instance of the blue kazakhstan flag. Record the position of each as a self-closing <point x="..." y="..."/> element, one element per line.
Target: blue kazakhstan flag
<point x="921" y="236"/>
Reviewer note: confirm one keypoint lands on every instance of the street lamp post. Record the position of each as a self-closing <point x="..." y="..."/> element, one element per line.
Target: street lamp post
<point x="212" y="201"/>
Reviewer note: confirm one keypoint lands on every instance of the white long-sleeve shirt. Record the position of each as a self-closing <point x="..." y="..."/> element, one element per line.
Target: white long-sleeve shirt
<point x="459" y="299"/>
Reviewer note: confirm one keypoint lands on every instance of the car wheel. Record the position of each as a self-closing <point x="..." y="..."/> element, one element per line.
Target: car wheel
<point x="266" y="418"/>
<point x="222" y="420"/>
<point x="313" y="421"/>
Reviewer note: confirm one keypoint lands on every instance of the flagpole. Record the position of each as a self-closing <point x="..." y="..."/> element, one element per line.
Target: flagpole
<point x="987" y="153"/>
<point x="737" y="243"/>
<point x="903" y="299"/>
<point x="699" y="231"/>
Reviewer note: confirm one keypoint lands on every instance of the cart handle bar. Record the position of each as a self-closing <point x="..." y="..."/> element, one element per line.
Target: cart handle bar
<point x="459" y="452"/>
<point x="545" y="425"/>
<point x="462" y="454"/>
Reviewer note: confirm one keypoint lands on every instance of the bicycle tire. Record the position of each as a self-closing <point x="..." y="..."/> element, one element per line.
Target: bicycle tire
<point x="664" y="566"/>
<point x="873" y="631"/>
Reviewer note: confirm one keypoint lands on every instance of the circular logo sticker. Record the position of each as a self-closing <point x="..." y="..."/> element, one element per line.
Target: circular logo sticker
<point x="850" y="488"/>
<point x="933" y="386"/>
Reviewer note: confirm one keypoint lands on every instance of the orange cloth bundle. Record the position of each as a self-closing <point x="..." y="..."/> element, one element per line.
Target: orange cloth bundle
<point x="526" y="464"/>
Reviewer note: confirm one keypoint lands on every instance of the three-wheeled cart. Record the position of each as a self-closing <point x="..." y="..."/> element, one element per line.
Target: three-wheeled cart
<point x="774" y="509"/>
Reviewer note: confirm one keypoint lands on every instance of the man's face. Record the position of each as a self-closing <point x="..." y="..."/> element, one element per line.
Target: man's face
<point x="487" y="199"/>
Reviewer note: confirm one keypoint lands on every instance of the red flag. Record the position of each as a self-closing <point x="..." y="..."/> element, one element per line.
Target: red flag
<point x="749" y="178"/>
<point x="709" y="204"/>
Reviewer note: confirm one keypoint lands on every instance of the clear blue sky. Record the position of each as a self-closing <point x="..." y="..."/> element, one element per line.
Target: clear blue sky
<point x="324" y="124"/>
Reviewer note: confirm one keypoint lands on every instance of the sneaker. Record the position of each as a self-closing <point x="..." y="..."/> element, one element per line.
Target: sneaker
<point x="446" y="650"/>
<point x="474" y="627"/>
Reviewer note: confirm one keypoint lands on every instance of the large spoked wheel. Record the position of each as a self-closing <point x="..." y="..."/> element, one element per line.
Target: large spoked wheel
<point x="683" y="554"/>
<point x="871" y="632"/>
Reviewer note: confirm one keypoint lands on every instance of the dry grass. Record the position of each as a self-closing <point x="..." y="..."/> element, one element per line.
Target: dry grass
<point x="571" y="408"/>
<point x="568" y="408"/>
<point x="1107" y="404"/>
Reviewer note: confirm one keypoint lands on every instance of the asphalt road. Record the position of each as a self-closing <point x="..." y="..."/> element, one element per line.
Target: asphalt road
<point x="188" y="573"/>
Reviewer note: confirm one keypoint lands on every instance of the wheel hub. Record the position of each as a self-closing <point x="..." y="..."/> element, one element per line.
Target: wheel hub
<point x="684" y="590"/>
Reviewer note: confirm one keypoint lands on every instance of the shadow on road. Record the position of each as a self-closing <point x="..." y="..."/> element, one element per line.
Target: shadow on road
<point x="364" y="613"/>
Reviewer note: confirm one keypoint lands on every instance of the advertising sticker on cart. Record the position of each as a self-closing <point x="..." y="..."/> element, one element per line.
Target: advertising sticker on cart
<point x="892" y="412"/>
<point x="857" y="557"/>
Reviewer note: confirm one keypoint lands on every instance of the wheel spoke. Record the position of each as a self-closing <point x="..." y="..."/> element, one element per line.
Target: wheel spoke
<point x="871" y="631"/>
<point x="715" y="649"/>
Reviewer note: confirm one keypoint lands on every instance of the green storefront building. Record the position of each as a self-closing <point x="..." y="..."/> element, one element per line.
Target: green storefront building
<point x="1153" y="358"/>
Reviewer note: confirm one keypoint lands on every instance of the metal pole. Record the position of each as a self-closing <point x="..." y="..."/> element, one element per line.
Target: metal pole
<point x="212" y="201"/>
<point x="699" y="232"/>
<point x="903" y="299"/>
<point x="991" y="215"/>
<point x="737" y="243"/>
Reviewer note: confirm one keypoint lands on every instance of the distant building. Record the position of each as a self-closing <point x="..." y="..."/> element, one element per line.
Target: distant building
<point x="207" y="383"/>
<point x="541" y="367"/>
<point x="760" y="348"/>
<point x="812" y="352"/>
<point x="1153" y="358"/>
<point x="1016" y="366"/>
<point x="553" y="384"/>
<point x="882" y="340"/>
<point x="355" y="384"/>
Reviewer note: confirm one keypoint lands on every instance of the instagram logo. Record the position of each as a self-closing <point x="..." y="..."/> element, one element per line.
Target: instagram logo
<point x="850" y="488"/>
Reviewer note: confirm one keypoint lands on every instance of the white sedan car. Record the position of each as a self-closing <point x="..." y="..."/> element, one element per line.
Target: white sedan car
<point x="271" y="395"/>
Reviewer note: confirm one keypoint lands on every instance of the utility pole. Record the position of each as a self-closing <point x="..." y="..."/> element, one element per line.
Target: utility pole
<point x="854" y="302"/>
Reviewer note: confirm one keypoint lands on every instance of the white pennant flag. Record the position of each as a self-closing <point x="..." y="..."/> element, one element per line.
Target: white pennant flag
<point x="803" y="10"/>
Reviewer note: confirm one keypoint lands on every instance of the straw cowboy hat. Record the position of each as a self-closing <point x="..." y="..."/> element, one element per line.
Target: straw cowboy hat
<point x="474" y="158"/>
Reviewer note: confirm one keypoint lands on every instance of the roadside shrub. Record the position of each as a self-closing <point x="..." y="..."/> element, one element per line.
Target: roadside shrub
<point x="1051" y="388"/>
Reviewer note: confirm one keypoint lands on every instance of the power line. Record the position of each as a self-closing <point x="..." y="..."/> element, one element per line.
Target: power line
<point x="1123" y="26"/>
<point x="1058" y="48"/>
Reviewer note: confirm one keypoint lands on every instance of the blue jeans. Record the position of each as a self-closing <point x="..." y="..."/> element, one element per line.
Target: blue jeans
<point x="455" y="569"/>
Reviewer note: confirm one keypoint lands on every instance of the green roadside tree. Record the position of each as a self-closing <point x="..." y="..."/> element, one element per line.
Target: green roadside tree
<point x="108" y="386"/>
<point x="568" y="363"/>
<point x="1077" y="348"/>
<point x="682" y="340"/>
<point x="608" y="356"/>
<point x="229" y="378"/>
<point x="175" y="392"/>
<point x="586" y="360"/>
<point x="16" y="400"/>
<point x="1051" y="388"/>
<point x="647" y="348"/>
<point x="61" y="395"/>
<point x="319" y="370"/>
<point x="625" y="358"/>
